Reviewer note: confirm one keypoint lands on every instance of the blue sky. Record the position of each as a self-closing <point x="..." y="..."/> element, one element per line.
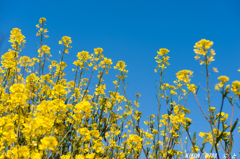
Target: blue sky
<point x="133" y="31"/>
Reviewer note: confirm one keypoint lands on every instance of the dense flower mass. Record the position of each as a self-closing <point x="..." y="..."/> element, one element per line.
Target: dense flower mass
<point x="43" y="115"/>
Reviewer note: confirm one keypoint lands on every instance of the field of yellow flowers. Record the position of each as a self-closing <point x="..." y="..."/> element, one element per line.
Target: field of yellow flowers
<point x="45" y="116"/>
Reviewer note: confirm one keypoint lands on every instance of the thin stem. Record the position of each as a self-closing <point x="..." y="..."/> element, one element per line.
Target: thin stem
<point x="201" y="108"/>
<point x="230" y="138"/>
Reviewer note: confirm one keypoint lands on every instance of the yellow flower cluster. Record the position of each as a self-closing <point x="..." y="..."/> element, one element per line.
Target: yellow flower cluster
<point x="98" y="51"/>
<point x="17" y="39"/>
<point x="223" y="80"/>
<point x="48" y="143"/>
<point x="121" y="67"/>
<point x="236" y="87"/>
<point x="66" y="41"/>
<point x="40" y="26"/>
<point x="202" y="48"/>
<point x="184" y="75"/>
<point x="162" y="59"/>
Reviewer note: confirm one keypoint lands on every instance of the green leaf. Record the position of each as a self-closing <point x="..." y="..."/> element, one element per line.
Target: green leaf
<point x="194" y="138"/>
<point x="197" y="90"/>
<point x="219" y="137"/>
<point x="234" y="125"/>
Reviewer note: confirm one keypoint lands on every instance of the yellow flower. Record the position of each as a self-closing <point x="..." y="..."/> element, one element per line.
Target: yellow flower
<point x="48" y="143"/>
<point x="201" y="134"/>
<point x="120" y="66"/>
<point x="184" y="75"/>
<point x="16" y="37"/>
<point x="41" y="20"/>
<point x="197" y="57"/>
<point x="20" y="152"/>
<point x="17" y="88"/>
<point x="201" y="48"/>
<point x="83" y="56"/>
<point x="59" y="90"/>
<point x="46" y="49"/>
<point x="202" y="45"/>
<point x="149" y="136"/>
<point x="85" y="107"/>
<point x="215" y="69"/>
<point x="154" y="131"/>
<point x="98" y="51"/>
<point x="66" y="39"/>
<point x="163" y="51"/>
<point x="195" y="149"/>
<point x="115" y="82"/>
<point x="223" y="80"/>
<point x="236" y="87"/>
<point x="106" y="63"/>
<point x="212" y="109"/>
<point x="172" y="92"/>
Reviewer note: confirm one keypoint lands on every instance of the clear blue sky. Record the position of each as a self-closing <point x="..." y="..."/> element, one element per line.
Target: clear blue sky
<point x="133" y="31"/>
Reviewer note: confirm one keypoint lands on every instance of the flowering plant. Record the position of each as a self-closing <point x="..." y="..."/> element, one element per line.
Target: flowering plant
<point x="43" y="115"/>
